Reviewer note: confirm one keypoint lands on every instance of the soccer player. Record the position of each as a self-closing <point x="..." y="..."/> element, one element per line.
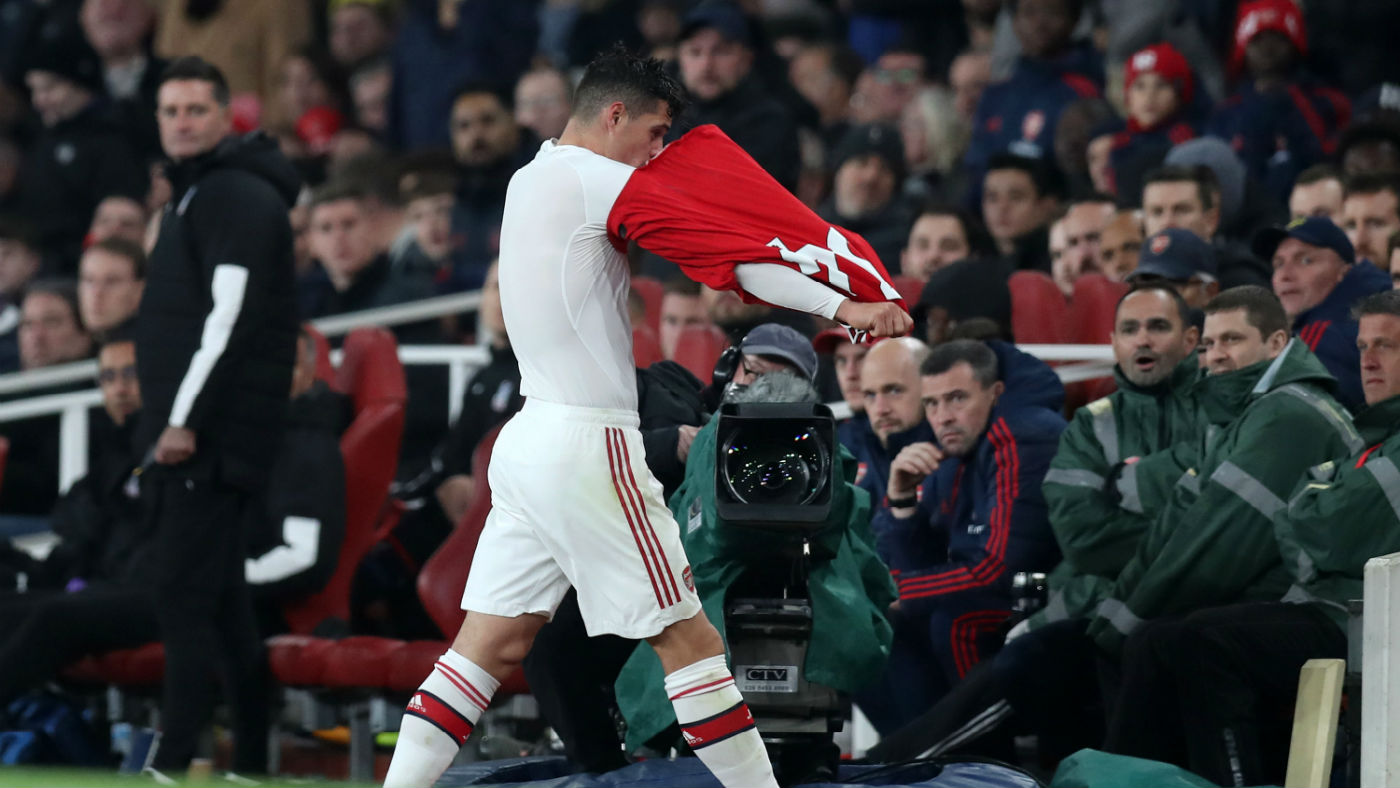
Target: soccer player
<point x="572" y="501"/>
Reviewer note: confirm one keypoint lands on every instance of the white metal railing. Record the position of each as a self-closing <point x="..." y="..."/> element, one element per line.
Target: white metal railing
<point x="72" y="408"/>
<point x="426" y="309"/>
<point x="1085" y="362"/>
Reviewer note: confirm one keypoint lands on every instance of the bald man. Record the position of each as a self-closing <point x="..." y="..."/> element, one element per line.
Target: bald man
<point x="889" y="386"/>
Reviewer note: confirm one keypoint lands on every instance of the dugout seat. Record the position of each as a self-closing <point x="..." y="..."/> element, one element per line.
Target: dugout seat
<point x="1092" y="312"/>
<point x="698" y="348"/>
<point x="1092" y="309"/>
<point x="646" y="348"/>
<point x="371" y="374"/>
<point x="1039" y="312"/>
<point x="651" y="291"/>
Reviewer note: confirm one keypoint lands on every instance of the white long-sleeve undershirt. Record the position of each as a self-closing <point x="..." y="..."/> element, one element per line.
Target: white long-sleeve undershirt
<point x="784" y="287"/>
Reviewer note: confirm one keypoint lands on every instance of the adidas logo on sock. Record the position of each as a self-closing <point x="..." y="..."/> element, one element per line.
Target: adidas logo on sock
<point x="416" y="704"/>
<point x="690" y="738"/>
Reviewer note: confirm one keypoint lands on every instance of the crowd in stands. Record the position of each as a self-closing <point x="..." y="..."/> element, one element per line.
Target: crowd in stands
<point x="1211" y="188"/>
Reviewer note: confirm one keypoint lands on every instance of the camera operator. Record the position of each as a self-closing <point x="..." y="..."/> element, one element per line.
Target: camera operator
<point x="850" y="592"/>
<point x="965" y="513"/>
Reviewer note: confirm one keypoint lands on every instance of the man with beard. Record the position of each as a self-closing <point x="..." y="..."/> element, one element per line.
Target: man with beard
<point x="489" y="147"/>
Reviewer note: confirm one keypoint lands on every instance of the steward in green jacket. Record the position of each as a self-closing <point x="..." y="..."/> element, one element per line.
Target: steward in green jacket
<point x="1271" y="416"/>
<point x="1153" y="409"/>
<point x="1217" y="679"/>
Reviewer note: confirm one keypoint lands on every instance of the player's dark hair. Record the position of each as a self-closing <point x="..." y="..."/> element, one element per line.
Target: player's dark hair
<point x="1262" y="309"/>
<point x="962" y="351"/>
<point x="196" y="67"/>
<point x="638" y="82"/>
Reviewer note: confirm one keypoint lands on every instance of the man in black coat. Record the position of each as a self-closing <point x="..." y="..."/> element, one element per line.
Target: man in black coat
<point x="216" y="339"/>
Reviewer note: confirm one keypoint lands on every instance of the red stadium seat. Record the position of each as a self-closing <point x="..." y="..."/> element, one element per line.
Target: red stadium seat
<point x="698" y="348"/>
<point x="1039" y="313"/>
<point x="371" y="374"/>
<point x="1092" y="309"/>
<point x="651" y="291"/>
<point x="646" y="348"/>
<point x="909" y="289"/>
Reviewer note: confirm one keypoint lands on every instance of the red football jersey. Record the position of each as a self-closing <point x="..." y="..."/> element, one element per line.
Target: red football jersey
<point x="706" y="205"/>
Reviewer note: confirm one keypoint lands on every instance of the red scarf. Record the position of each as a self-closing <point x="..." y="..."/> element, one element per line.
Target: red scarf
<point x="706" y="205"/>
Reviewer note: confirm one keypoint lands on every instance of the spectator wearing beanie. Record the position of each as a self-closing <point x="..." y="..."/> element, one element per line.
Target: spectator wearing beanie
<point x="869" y="168"/>
<point x="1280" y="120"/>
<point x="1164" y="109"/>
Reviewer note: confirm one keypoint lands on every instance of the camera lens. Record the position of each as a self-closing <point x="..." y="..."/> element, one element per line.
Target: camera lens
<point x="775" y="464"/>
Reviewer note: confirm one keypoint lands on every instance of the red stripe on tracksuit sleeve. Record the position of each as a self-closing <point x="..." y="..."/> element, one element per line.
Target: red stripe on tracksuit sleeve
<point x="1314" y="334"/>
<point x="1008" y="468"/>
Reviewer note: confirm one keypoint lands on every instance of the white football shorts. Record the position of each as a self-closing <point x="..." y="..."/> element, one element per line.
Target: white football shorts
<point x="573" y="504"/>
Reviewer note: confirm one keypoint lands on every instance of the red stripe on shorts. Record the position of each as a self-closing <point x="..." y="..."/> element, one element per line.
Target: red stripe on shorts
<point x="624" y="498"/>
<point x="670" y="576"/>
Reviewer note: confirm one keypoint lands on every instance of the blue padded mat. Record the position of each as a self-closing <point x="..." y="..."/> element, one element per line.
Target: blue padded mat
<point x="552" y="772"/>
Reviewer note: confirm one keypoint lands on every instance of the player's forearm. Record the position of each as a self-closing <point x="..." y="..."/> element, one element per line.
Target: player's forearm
<point x="784" y="287"/>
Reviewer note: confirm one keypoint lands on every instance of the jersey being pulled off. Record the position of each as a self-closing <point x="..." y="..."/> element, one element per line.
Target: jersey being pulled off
<point x="706" y="205"/>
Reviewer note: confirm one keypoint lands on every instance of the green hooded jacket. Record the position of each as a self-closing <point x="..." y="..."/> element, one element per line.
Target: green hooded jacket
<point x="1098" y="530"/>
<point x="1214" y="543"/>
<point x="850" y="592"/>
<point x="1342" y="515"/>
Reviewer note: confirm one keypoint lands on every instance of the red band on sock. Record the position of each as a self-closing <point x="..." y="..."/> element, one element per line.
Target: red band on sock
<point x="712" y="730"/>
<point x="430" y="707"/>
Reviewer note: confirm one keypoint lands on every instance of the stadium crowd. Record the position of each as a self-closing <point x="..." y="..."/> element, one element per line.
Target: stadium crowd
<point x="1213" y="188"/>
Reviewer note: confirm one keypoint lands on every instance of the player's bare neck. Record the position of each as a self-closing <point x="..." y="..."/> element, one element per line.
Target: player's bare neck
<point x="588" y="137"/>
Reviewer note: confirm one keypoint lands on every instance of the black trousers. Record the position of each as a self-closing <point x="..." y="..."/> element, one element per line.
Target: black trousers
<point x="572" y="675"/>
<point x="1214" y="691"/>
<point x="46" y="631"/>
<point x="206" y="617"/>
